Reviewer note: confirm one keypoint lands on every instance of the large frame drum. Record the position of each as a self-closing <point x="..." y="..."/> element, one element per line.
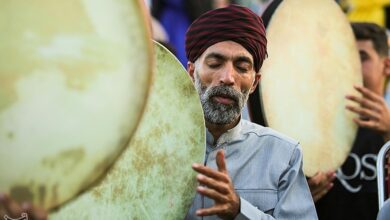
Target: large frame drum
<point x="153" y="179"/>
<point x="312" y="64"/>
<point x="74" y="79"/>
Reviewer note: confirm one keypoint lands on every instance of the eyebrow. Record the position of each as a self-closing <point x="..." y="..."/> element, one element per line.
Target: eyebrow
<point x="235" y="59"/>
<point x="217" y="56"/>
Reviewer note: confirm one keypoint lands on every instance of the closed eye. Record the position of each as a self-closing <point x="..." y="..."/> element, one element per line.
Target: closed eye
<point x="214" y="65"/>
<point x="215" y="60"/>
<point x="243" y="64"/>
<point x="243" y="67"/>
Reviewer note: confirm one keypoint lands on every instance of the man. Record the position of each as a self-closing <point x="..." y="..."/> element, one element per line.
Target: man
<point x="250" y="172"/>
<point x="353" y="195"/>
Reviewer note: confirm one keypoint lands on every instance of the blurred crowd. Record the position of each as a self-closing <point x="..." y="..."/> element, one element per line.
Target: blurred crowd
<point x="171" y="18"/>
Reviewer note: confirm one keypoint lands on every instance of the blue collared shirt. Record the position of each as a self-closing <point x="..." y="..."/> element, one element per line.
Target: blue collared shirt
<point x="266" y="169"/>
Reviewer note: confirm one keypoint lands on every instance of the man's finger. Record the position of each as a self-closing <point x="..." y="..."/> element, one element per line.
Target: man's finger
<point x="364" y="112"/>
<point x="321" y="182"/>
<point x="318" y="189"/>
<point x="317" y="183"/>
<point x="212" y="183"/>
<point x="220" y="159"/>
<point x="11" y="207"/>
<point x="212" y="194"/>
<point x="316" y="179"/>
<point x="317" y="196"/>
<point x="209" y="211"/>
<point x="331" y="175"/>
<point x="207" y="171"/>
<point x="368" y="93"/>
<point x="365" y="123"/>
<point x="364" y="102"/>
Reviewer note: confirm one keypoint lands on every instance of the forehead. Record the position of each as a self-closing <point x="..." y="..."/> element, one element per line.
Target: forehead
<point x="229" y="49"/>
<point x="366" y="46"/>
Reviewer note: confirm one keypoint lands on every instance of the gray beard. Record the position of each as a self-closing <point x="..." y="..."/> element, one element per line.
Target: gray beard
<point x="217" y="113"/>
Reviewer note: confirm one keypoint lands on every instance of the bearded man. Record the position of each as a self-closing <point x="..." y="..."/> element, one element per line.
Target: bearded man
<point x="249" y="172"/>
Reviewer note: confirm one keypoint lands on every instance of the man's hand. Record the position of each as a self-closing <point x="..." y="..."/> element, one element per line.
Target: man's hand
<point x="217" y="185"/>
<point x="320" y="184"/>
<point x="373" y="111"/>
<point x="12" y="209"/>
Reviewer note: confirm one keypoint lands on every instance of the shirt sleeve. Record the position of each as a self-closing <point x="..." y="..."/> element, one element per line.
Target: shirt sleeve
<point x="295" y="200"/>
<point x="248" y="211"/>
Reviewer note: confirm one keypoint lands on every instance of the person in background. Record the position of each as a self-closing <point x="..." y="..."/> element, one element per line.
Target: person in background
<point x="174" y="18"/>
<point x="351" y="192"/>
<point x="177" y="15"/>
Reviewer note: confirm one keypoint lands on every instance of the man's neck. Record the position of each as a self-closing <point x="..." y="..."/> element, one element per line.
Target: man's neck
<point x="217" y="130"/>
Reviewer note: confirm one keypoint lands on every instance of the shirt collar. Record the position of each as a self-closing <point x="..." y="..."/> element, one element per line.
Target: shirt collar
<point x="229" y="136"/>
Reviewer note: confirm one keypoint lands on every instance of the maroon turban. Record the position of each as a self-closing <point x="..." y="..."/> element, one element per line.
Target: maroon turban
<point x="233" y="23"/>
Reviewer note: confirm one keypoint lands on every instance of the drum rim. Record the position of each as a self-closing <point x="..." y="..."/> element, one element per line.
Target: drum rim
<point x="255" y="103"/>
<point x="256" y="108"/>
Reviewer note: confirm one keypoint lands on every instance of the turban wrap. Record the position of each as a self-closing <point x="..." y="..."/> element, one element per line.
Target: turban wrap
<point x="233" y="23"/>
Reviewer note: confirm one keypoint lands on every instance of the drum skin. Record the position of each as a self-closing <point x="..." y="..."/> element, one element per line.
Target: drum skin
<point x="68" y="98"/>
<point x="153" y="179"/>
<point x="312" y="63"/>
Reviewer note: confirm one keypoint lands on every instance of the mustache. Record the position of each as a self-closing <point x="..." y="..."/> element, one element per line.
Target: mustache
<point x="224" y="91"/>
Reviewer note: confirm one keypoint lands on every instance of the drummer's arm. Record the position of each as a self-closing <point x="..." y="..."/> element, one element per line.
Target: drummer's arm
<point x="373" y="111"/>
<point x="12" y="209"/>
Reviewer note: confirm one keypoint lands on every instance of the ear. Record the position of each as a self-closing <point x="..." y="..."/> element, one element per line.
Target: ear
<point x="191" y="69"/>
<point x="386" y="70"/>
<point x="255" y="82"/>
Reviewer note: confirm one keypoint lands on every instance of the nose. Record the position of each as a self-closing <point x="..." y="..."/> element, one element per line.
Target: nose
<point x="227" y="75"/>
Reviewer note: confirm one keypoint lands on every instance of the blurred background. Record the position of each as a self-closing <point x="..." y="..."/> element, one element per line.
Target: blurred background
<point x="171" y="18"/>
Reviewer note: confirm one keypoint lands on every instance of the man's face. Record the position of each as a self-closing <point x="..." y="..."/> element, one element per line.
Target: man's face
<point x="224" y="77"/>
<point x="373" y="67"/>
